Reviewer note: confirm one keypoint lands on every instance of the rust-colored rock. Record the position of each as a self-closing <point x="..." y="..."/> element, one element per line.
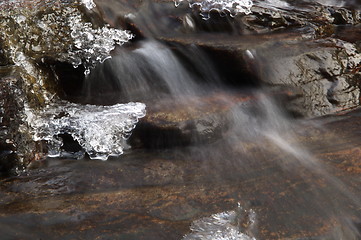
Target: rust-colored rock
<point x="191" y="120"/>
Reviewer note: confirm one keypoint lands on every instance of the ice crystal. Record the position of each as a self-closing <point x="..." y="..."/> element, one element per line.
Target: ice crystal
<point x="56" y="30"/>
<point x="223" y="226"/>
<point x="89" y="4"/>
<point x="100" y="130"/>
<point x="233" y="7"/>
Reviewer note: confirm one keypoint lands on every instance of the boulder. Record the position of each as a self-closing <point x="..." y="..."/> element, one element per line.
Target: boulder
<point x="191" y="120"/>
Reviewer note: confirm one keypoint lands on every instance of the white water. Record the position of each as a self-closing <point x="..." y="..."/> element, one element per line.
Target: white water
<point x="149" y="73"/>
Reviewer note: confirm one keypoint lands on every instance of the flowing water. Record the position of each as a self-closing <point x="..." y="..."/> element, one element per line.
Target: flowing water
<point x="257" y="138"/>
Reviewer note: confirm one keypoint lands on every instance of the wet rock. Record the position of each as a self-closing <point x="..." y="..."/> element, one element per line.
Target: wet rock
<point x="325" y="71"/>
<point x="186" y="121"/>
<point x="17" y="148"/>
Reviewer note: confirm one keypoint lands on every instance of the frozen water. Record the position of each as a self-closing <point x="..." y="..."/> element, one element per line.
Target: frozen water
<point x="223" y="226"/>
<point x="91" y="46"/>
<point x="89" y="4"/>
<point x="100" y="130"/>
<point x="57" y="30"/>
<point x="223" y="6"/>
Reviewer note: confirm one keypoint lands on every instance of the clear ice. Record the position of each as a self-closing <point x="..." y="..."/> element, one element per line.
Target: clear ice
<point x="223" y="226"/>
<point x="233" y="7"/>
<point x="100" y="130"/>
<point x="89" y="4"/>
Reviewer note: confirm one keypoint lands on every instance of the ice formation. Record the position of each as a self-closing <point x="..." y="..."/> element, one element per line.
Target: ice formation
<point x="223" y="226"/>
<point x="57" y="30"/>
<point x="100" y="130"/>
<point x="89" y="4"/>
<point x="233" y="7"/>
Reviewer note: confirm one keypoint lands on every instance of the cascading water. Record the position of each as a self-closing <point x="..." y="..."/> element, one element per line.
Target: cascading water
<point x="148" y="72"/>
<point x="257" y="138"/>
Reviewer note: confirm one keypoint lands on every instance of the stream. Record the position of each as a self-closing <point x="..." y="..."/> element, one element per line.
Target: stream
<point x="187" y="120"/>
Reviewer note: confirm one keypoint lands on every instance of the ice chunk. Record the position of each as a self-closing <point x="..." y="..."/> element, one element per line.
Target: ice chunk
<point x="92" y="46"/>
<point x="100" y="130"/>
<point x="224" y="226"/>
<point x="89" y="4"/>
<point x="223" y="6"/>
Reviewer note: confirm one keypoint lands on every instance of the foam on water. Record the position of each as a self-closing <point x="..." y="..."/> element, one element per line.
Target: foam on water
<point x="100" y="130"/>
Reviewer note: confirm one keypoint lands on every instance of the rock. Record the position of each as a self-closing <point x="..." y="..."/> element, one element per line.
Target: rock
<point x="324" y="71"/>
<point x="36" y="39"/>
<point x="17" y="149"/>
<point x="186" y="121"/>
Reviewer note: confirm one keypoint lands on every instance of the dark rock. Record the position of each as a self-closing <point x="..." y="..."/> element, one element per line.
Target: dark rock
<point x="17" y="148"/>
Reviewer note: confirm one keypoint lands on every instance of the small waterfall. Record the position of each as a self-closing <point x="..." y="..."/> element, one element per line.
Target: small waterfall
<point x="148" y="73"/>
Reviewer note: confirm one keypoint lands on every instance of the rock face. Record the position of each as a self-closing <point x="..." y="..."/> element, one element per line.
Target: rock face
<point x="17" y="148"/>
<point x="188" y="121"/>
<point x="326" y="74"/>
